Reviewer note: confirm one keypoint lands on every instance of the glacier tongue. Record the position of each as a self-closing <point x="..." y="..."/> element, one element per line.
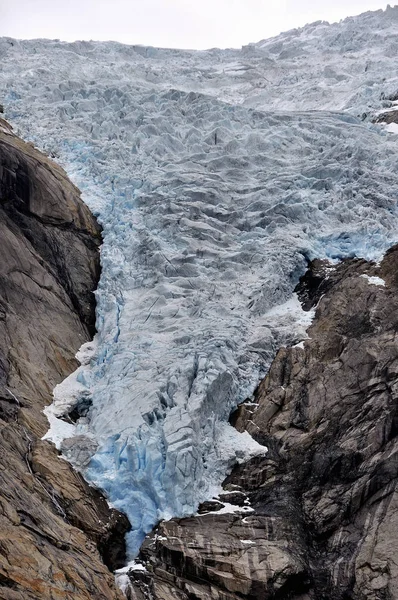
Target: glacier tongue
<point x="210" y="212"/>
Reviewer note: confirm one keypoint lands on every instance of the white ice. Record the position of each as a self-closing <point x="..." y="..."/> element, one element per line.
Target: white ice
<point x="216" y="176"/>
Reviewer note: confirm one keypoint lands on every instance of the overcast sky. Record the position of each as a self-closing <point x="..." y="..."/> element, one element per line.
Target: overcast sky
<point x="170" y="23"/>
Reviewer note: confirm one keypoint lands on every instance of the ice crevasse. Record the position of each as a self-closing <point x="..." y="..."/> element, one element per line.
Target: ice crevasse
<point x="212" y="201"/>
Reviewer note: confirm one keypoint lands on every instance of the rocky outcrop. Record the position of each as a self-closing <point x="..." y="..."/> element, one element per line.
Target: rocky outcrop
<point x="53" y="526"/>
<point x="316" y="518"/>
<point x="388" y="117"/>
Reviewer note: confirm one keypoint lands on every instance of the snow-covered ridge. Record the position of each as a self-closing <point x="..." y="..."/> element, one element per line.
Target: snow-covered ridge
<point x="210" y="210"/>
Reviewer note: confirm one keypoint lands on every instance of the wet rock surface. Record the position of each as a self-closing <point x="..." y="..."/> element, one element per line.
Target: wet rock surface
<point x="321" y="517"/>
<point x="53" y="526"/>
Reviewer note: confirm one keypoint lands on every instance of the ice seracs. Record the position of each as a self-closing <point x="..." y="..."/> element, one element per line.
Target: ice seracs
<point x="215" y="181"/>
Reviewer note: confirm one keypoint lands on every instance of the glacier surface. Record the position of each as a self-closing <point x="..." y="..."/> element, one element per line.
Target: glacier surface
<point x="216" y="176"/>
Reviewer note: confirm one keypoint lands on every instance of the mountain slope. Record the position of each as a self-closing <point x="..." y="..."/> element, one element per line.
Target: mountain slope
<point x="321" y="507"/>
<point x="53" y="525"/>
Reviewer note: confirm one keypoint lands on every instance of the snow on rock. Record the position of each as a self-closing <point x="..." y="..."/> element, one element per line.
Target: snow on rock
<point x="299" y="345"/>
<point x="122" y="579"/>
<point x="216" y="176"/>
<point x="374" y="280"/>
<point x="131" y="566"/>
<point x="228" y="509"/>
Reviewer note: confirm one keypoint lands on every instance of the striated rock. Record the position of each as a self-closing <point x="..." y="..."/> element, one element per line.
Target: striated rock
<point x="53" y="526"/>
<point x="323" y="504"/>
<point x="387" y="117"/>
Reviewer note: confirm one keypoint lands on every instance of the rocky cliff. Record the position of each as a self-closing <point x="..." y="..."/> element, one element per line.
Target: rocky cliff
<point x="317" y="517"/>
<point x="53" y="526"/>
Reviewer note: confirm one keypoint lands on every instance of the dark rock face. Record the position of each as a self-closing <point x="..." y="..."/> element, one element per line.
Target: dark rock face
<point x="388" y="117"/>
<point x="52" y="524"/>
<point x="324" y="499"/>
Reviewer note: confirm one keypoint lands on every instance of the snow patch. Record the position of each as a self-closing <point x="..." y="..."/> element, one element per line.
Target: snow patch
<point x="299" y="345"/>
<point x="374" y="280"/>
<point x="131" y="566"/>
<point x="392" y="128"/>
<point x="229" y="509"/>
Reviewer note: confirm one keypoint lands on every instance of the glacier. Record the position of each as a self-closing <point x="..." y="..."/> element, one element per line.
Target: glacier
<point x="216" y="175"/>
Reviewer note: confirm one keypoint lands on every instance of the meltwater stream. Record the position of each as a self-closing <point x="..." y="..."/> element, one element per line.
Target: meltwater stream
<point x="211" y="210"/>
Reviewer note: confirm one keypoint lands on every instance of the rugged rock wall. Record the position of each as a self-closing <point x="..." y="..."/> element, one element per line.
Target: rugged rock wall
<point x="324" y="499"/>
<point x="52" y="524"/>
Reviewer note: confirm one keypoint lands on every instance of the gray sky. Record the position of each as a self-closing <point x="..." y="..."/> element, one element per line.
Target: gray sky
<point x="169" y="23"/>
